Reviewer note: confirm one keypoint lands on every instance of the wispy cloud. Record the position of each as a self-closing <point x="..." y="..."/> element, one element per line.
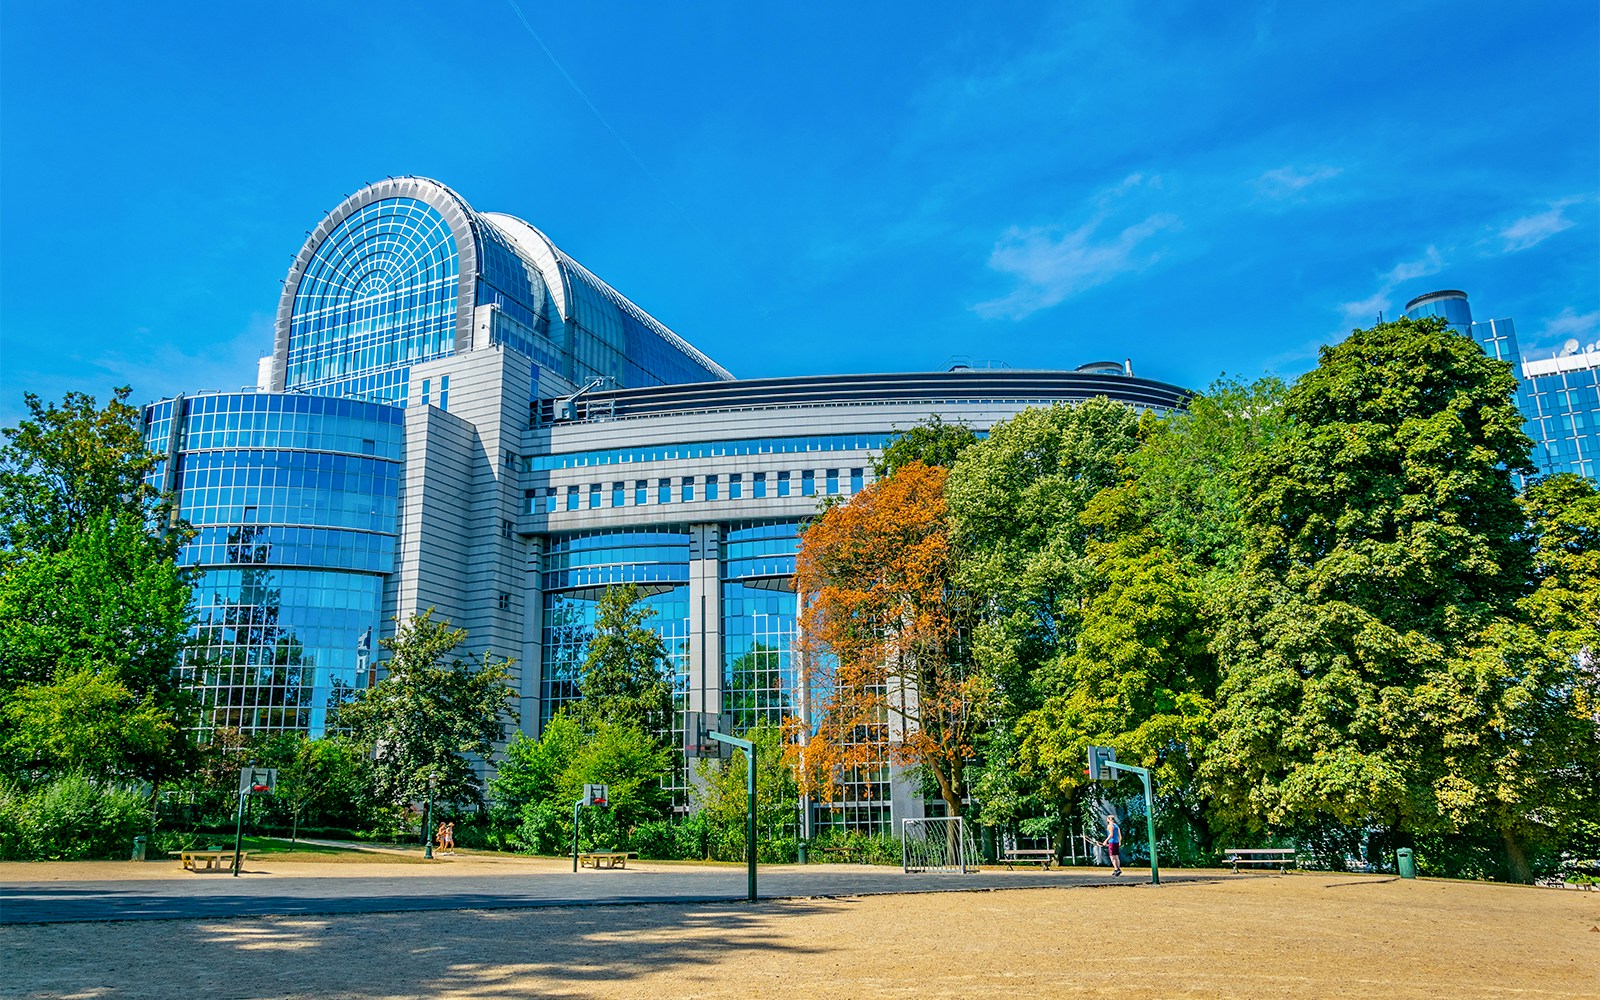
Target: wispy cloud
<point x="1531" y="230"/>
<point x="1286" y="182"/>
<point x="1571" y="324"/>
<point x="1051" y="263"/>
<point x="1366" y="310"/>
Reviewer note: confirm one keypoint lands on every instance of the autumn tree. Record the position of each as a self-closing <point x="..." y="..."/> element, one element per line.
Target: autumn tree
<point x="883" y="631"/>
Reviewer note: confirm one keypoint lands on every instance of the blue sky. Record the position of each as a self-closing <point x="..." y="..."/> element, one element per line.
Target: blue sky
<point x="813" y="188"/>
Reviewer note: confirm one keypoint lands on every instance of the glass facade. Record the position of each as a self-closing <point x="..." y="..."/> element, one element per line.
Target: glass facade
<point x="1559" y="396"/>
<point x="294" y="499"/>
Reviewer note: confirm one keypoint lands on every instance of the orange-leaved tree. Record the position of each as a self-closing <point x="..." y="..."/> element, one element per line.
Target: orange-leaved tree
<point x="883" y="636"/>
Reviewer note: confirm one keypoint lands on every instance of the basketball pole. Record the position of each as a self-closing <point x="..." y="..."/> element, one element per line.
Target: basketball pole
<point x="1149" y="813"/>
<point x="749" y="749"/>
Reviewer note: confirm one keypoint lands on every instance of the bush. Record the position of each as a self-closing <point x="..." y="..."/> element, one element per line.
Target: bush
<point x="71" y="819"/>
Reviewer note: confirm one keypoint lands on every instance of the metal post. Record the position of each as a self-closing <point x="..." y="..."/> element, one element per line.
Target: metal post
<point x="1149" y="814"/>
<point x="575" y="807"/>
<point x="238" y="833"/>
<point x="749" y="749"/>
<point x="427" y="823"/>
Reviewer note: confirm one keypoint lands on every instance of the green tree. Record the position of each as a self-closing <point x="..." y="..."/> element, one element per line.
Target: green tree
<point x="1140" y="677"/>
<point x="625" y="675"/>
<point x="87" y="722"/>
<point x="1014" y="502"/>
<point x="69" y="464"/>
<point x="1563" y="515"/>
<point x="1384" y="558"/>
<point x="107" y="597"/>
<point x="431" y="714"/>
<point x="313" y="775"/>
<point x="1190" y="466"/>
<point x="722" y="792"/>
<point x="932" y="442"/>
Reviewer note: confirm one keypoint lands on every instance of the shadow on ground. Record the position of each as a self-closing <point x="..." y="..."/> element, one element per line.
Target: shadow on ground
<point x="580" y="951"/>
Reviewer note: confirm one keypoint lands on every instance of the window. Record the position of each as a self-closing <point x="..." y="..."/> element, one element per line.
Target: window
<point x="736" y="486"/>
<point x="505" y="528"/>
<point x="369" y="446"/>
<point x="783" y="484"/>
<point x="594" y="496"/>
<point x="758" y="485"/>
<point x="572" y="498"/>
<point x="663" y="491"/>
<point x="641" y="492"/>
<point x="711" y="487"/>
<point x="808" y="483"/>
<point x="505" y="601"/>
<point x="855" y="481"/>
<point x="250" y="515"/>
<point x="619" y="494"/>
<point x="833" y="482"/>
<point x="550" y="499"/>
<point x="686" y="489"/>
<point x="444" y="393"/>
<point x="426" y="385"/>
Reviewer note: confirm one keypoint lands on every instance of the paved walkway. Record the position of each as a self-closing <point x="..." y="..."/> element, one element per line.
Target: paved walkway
<point x="213" y="896"/>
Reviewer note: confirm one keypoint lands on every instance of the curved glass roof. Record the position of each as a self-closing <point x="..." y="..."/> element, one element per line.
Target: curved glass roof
<point x="400" y="270"/>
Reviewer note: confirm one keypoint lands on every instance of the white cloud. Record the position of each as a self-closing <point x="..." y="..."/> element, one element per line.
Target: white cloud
<point x="1531" y="230"/>
<point x="1364" y="311"/>
<point x="1285" y="182"/>
<point x="1571" y="324"/>
<point x="1051" y="264"/>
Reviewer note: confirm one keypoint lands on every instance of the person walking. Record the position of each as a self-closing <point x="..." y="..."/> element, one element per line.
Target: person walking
<point x="449" y="839"/>
<point x="1113" y="843"/>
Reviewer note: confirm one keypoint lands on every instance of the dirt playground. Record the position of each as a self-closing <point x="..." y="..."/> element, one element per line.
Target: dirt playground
<point x="1301" y="935"/>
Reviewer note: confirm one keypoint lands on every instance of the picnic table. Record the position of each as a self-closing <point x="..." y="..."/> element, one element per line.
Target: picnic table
<point x="606" y="859"/>
<point x="1013" y="856"/>
<point x="1281" y="858"/>
<point x="210" y="859"/>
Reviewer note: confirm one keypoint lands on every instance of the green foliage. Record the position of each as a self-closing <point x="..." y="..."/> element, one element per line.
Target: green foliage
<point x="1190" y="468"/>
<point x="1373" y="663"/>
<point x="722" y="795"/>
<point x="539" y="781"/>
<point x="625" y="675"/>
<point x="430" y="713"/>
<point x="932" y="442"/>
<point x="88" y="722"/>
<point x="1014" y="505"/>
<point x="67" y="465"/>
<point x="69" y="819"/>
<point x="1139" y="677"/>
<point x="1563" y="515"/>
<point x="109" y="596"/>
<point x="322" y="779"/>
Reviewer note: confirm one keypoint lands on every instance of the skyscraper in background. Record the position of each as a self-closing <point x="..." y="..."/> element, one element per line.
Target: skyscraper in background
<point x="1559" y="395"/>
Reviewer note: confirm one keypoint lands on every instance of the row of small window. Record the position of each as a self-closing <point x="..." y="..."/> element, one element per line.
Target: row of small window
<point x="797" y="445"/>
<point x="543" y="500"/>
<point x="281" y="545"/>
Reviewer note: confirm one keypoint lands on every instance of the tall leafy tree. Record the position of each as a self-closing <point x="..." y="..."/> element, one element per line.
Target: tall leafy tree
<point x="1385" y="556"/>
<point x="1014" y="501"/>
<point x="433" y="713"/>
<point x="1140" y="677"/>
<point x="625" y="676"/>
<point x="883" y="627"/>
<point x="88" y="722"/>
<point x="66" y="465"/>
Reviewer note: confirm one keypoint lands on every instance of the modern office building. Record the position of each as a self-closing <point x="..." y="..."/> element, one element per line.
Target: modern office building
<point x="1559" y="395"/>
<point x="458" y="416"/>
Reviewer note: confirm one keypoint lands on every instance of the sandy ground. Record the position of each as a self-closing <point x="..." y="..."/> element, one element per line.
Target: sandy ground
<point x="1303" y="935"/>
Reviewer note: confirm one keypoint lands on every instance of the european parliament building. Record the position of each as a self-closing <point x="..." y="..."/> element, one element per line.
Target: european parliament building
<point x="457" y="415"/>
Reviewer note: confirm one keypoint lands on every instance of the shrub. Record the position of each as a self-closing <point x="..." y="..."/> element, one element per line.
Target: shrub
<point x="71" y="819"/>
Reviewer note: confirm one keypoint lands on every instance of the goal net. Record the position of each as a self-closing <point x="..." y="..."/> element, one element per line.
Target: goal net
<point x="944" y="844"/>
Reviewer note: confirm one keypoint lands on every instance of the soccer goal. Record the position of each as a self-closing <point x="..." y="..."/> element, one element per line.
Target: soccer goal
<point x="943" y="844"/>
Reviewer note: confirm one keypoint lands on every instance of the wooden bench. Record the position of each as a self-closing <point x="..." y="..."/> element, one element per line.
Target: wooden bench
<point x="841" y="853"/>
<point x="606" y="859"/>
<point x="208" y="860"/>
<point x="1013" y="856"/>
<point x="1281" y="858"/>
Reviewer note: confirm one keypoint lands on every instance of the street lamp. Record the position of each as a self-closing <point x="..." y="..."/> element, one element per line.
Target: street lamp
<point x="427" y="817"/>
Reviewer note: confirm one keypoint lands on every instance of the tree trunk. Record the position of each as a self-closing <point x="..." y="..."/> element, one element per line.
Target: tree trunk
<point x="1517" y="867"/>
<point x="294" y="826"/>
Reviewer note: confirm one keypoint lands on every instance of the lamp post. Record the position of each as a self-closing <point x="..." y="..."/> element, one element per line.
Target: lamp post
<point x="427" y="818"/>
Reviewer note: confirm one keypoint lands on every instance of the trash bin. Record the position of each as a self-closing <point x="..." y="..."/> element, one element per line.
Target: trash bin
<point x="138" y="848"/>
<point x="803" y="850"/>
<point x="1405" y="862"/>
